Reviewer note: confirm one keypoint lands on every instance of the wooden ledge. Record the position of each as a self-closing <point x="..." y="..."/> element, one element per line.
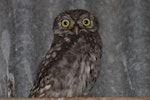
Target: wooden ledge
<point x="82" y="98"/>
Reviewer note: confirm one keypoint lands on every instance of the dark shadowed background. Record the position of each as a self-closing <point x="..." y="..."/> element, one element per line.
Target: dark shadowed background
<point x="26" y="35"/>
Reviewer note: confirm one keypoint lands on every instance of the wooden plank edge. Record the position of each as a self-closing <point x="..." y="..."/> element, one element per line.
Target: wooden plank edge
<point x="82" y="98"/>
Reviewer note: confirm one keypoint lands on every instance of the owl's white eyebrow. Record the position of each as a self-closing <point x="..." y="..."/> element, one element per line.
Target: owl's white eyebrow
<point x="66" y="17"/>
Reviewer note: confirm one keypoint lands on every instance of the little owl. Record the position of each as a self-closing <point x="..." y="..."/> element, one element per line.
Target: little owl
<point x="71" y="66"/>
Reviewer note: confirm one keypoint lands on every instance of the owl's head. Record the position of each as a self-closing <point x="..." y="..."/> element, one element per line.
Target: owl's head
<point x="75" y="22"/>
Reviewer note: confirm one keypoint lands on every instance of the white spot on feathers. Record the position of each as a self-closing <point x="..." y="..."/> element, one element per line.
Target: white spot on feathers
<point x="67" y="39"/>
<point x="41" y="90"/>
<point x="54" y="54"/>
<point x="48" y="56"/>
<point x="59" y="48"/>
<point x="41" y="95"/>
<point x="46" y="63"/>
<point x="47" y="87"/>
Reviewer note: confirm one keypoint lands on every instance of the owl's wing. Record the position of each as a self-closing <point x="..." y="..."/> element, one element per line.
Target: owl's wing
<point x="59" y="46"/>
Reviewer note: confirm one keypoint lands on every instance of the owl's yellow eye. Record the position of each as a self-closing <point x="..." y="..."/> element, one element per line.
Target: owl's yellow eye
<point x="65" y="23"/>
<point x="86" y="22"/>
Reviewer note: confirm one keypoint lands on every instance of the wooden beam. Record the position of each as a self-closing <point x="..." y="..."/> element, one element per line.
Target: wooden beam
<point x="82" y="98"/>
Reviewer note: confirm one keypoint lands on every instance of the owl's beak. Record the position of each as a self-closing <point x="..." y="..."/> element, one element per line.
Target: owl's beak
<point x="76" y="30"/>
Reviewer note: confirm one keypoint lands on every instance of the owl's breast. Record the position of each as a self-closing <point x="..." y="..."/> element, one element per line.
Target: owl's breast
<point x="79" y="68"/>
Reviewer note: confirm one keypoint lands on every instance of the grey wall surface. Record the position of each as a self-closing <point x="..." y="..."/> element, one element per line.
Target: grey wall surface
<point x="26" y="35"/>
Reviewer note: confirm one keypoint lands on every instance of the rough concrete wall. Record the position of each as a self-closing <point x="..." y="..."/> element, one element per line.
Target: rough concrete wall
<point x="26" y="35"/>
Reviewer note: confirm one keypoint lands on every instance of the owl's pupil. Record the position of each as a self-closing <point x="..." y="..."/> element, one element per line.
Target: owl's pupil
<point x="85" y="22"/>
<point x="65" y="23"/>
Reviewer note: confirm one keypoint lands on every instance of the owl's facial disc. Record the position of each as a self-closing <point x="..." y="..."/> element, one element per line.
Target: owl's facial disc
<point x="75" y="22"/>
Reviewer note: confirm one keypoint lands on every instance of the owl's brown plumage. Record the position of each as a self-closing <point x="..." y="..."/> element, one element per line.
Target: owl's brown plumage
<point x="70" y="67"/>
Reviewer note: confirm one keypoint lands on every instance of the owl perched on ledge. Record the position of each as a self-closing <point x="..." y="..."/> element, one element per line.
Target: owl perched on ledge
<point x="70" y="67"/>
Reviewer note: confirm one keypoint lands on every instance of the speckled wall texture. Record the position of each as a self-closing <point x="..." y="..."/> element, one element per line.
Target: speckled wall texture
<point x="26" y="35"/>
